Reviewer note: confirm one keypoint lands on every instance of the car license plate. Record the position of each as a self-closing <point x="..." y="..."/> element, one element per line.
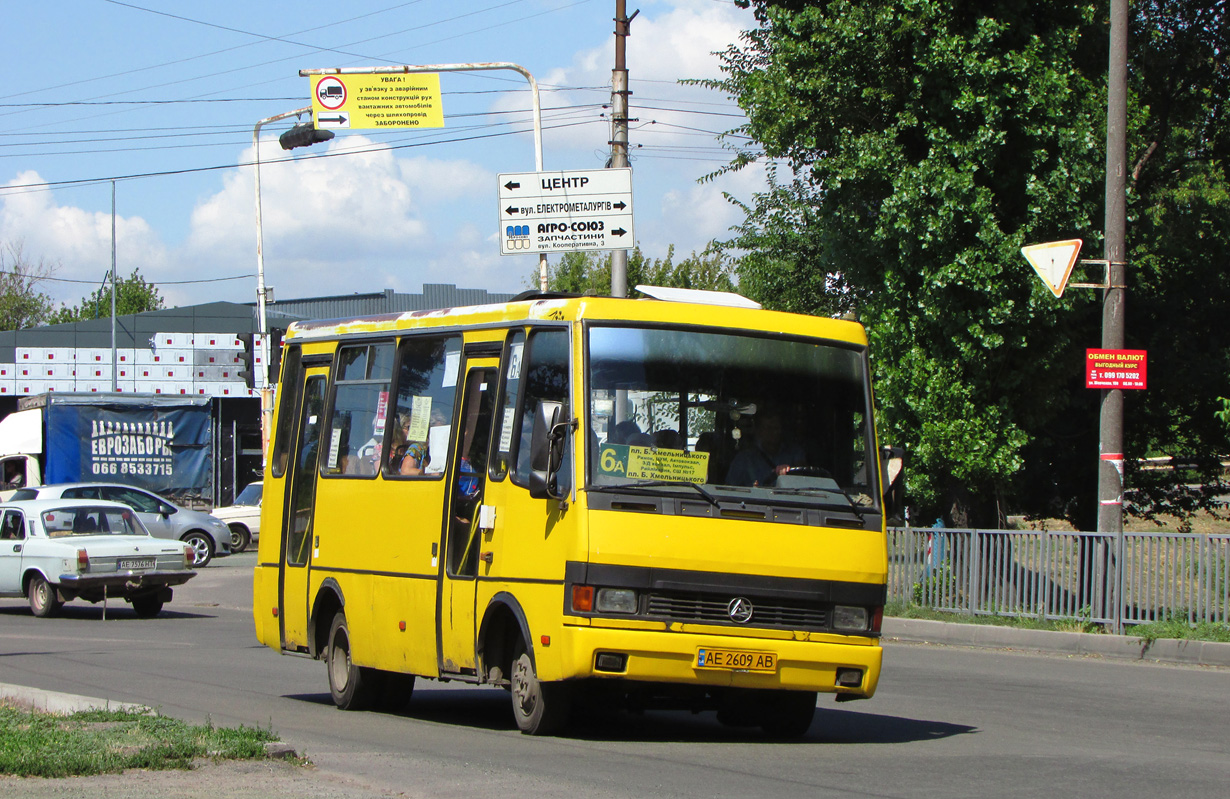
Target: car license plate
<point x="134" y="563"/>
<point x="733" y="660"/>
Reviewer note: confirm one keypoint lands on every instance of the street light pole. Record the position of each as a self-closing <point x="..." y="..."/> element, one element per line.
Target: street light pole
<point x="261" y="292"/>
<point x="477" y="66"/>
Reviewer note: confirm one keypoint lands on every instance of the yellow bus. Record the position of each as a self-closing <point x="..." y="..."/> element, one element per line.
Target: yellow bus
<point x="663" y="503"/>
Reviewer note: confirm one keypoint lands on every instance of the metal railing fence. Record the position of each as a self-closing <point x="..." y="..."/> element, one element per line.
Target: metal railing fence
<point x="1115" y="581"/>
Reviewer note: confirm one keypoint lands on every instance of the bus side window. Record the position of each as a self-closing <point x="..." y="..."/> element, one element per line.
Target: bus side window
<point x="422" y="412"/>
<point x="544" y="376"/>
<point x="507" y="420"/>
<point x="355" y="440"/>
<point x="288" y="391"/>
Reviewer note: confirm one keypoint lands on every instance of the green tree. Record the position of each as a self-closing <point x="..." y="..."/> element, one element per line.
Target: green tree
<point x="22" y="305"/>
<point x="133" y="294"/>
<point x="914" y="147"/>
<point x="590" y="272"/>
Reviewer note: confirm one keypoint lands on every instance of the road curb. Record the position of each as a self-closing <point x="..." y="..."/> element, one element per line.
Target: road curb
<point x="56" y="702"/>
<point x="1162" y="650"/>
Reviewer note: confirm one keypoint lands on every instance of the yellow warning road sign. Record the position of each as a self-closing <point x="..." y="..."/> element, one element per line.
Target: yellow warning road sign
<point x="377" y="101"/>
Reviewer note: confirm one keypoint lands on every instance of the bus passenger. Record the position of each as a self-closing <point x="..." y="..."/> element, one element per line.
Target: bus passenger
<point x="416" y="458"/>
<point x="623" y="432"/>
<point x="667" y="438"/>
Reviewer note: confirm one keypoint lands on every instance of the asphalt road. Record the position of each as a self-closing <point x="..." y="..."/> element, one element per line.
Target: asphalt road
<point x="946" y="722"/>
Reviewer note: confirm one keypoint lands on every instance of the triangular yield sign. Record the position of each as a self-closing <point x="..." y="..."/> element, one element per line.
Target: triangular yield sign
<point x="1053" y="262"/>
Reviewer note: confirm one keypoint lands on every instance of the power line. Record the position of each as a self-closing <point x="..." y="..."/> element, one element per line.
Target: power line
<point x="22" y="187"/>
<point x="207" y="55"/>
<point x="37" y="279"/>
<point x="242" y="135"/>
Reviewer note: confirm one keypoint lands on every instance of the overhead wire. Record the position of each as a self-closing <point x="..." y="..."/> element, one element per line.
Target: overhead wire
<point x="317" y="49"/>
<point x="43" y="185"/>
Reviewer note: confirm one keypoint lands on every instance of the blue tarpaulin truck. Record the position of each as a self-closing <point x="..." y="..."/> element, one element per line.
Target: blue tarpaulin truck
<point x="156" y="442"/>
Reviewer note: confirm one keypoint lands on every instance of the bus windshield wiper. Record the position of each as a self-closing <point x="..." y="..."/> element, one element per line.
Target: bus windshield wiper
<point x="859" y="510"/>
<point x="712" y="500"/>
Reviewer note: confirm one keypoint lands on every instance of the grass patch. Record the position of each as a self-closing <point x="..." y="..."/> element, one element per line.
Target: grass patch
<point x="34" y="743"/>
<point x="1175" y="628"/>
<point x="1181" y="628"/>
<point x="903" y="611"/>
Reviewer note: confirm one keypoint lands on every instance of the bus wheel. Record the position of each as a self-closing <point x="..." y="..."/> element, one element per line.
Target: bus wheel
<point x="788" y="714"/>
<point x="352" y="687"/>
<point x="540" y="708"/>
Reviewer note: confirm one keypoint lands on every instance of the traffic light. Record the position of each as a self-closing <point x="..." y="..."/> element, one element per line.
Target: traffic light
<point x="247" y="358"/>
<point x="303" y="135"/>
<point x="275" y="353"/>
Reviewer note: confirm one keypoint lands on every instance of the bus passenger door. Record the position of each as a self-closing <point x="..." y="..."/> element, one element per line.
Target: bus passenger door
<point x="462" y="537"/>
<point x="295" y="564"/>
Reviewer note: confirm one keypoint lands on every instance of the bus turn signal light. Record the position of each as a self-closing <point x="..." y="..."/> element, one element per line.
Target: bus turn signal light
<point x="583" y="598"/>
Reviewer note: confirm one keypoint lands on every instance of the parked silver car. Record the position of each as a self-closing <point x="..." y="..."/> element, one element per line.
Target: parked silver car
<point x="208" y="536"/>
<point x="52" y="551"/>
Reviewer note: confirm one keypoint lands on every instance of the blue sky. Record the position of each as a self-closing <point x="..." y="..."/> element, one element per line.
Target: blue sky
<point x="163" y="96"/>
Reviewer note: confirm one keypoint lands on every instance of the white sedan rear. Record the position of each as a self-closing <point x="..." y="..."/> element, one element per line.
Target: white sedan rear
<point x="56" y="550"/>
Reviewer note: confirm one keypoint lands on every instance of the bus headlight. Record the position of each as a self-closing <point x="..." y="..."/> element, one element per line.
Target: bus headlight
<point x="848" y="617"/>
<point x="616" y="600"/>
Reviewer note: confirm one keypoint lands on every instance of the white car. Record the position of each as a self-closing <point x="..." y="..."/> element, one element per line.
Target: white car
<point x="243" y="517"/>
<point x="164" y="519"/>
<point x="55" y="550"/>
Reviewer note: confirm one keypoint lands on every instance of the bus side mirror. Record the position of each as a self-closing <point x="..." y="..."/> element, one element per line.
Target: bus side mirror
<point x="892" y="478"/>
<point x="546" y="450"/>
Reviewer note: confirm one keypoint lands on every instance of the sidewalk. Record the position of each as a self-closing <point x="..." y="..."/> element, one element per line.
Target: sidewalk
<point x="989" y="636"/>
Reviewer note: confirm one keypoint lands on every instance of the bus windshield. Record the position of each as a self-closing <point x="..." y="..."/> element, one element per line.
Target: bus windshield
<point x="737" y="416"/>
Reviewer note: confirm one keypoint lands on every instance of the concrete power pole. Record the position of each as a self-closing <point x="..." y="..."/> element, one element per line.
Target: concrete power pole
<point x="1110" y="467"/>
<point x="619" y="131"/>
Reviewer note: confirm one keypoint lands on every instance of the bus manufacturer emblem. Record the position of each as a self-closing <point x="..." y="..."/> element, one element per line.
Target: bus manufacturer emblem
<point x="739" y="610"/>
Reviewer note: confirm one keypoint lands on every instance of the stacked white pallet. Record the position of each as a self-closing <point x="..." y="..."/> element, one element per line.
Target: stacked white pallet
<point x="8" y="380"/>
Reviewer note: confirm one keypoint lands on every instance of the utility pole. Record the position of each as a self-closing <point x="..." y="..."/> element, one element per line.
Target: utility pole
<point x="1110" y="467"/>
<point x="619" y="130"/>
<point x="1110" y="446"/>
<point x="115" y="385"/>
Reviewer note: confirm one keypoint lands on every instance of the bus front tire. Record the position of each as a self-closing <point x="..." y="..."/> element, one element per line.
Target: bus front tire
<point x="788" y="714"/>
<point x="352" y="687"/>
<point x="540" y="708"/>
<point x="395" y="691"/>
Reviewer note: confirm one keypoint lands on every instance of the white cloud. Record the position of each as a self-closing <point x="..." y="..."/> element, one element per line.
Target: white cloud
<point x="78" y="241"/>
<point x="691" y="217"/>
<point x="337" y="225"/>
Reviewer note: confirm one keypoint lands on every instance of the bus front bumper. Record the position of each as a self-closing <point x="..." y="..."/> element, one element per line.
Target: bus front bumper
<point x="827" y="666"/>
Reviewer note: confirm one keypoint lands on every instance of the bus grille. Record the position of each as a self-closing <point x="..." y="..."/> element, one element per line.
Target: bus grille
<point x="712" y="609"/>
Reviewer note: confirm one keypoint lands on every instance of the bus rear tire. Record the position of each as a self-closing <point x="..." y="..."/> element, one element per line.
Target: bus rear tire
<point x="352" y="687"/>
<point x="540" y="708"/>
